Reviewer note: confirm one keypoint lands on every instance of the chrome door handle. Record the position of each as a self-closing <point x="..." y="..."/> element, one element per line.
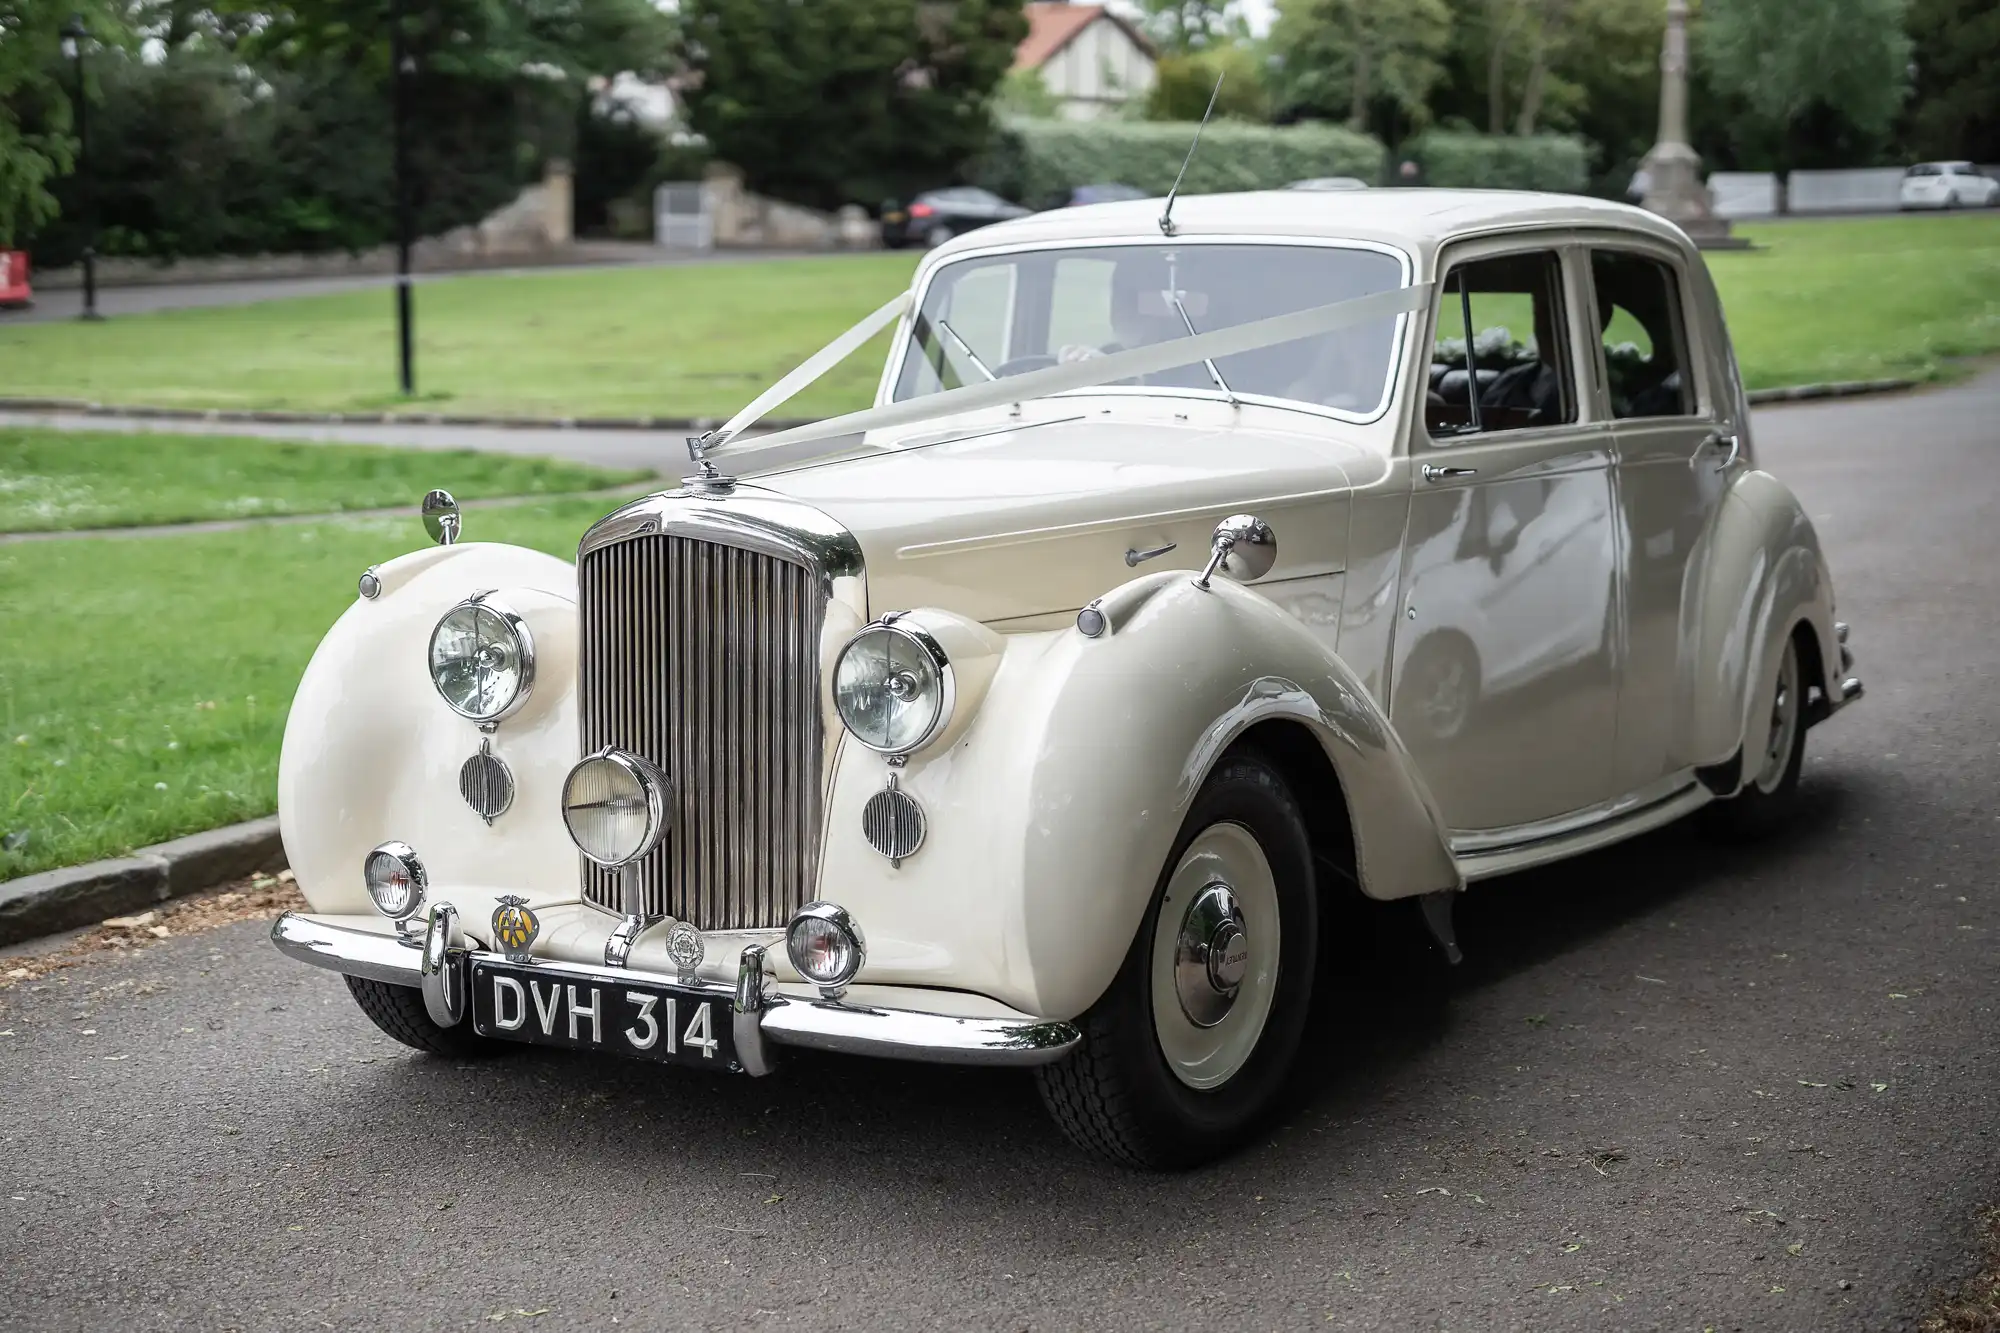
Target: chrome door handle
<point x="1733" y="440"/>
<point x="1434" y="473"/>
<point x="1135" y="557"/>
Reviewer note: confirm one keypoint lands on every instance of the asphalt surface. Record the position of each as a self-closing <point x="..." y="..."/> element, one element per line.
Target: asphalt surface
<point x="1676" y="1085"/>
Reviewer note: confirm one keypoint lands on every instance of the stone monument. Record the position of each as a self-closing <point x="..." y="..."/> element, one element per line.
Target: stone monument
<point x="1674" y="187"/>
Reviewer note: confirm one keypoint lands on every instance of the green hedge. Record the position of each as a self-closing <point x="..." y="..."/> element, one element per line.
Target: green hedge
<point x="1034" y="159"/>
<point x="1559" y="162"/>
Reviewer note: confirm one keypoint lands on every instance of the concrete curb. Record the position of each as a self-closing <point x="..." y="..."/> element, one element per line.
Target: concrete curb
<point x="84" y="407"/>
<point x="669" y="425"/>
<point x="64" y="899"/>
<point x="1799" y="393"/>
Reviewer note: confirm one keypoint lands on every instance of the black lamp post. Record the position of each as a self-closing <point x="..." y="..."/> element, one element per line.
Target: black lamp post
<point x="400" y="67"/>
<point x="74" y="35"/>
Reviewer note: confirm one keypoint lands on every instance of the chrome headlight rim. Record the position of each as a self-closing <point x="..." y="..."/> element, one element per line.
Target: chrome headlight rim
<point x="932" y="653"/>
<point x="524" y="647"/>
<point x="840" y="920"/>
<point x="411" y="865"/>
<point x="653" y="785"/>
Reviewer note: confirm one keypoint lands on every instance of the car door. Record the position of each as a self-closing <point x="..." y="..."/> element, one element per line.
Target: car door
<point x="1503" y="685"/>
<point x="1677" y="446"/>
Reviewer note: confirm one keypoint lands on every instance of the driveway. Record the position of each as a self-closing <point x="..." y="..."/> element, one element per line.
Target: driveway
<point x="1676" y="1085"/>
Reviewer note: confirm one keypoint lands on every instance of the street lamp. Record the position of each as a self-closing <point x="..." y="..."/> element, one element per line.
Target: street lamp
<point x="74" y="35"/>
<point x="401" y="65"/>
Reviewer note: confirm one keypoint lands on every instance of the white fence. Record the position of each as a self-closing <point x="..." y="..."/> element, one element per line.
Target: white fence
<point x="1875" y="189"/>
<point x="684" y="216"/>
<point x="1744" y="194"/>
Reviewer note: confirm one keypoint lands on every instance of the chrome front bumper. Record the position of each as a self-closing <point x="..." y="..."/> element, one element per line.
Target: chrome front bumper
<point x="763" y="1018"/>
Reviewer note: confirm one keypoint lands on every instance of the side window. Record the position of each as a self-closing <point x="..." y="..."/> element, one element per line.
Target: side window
<point x="1645" y="350"/>
<point x="1501" y="360"/>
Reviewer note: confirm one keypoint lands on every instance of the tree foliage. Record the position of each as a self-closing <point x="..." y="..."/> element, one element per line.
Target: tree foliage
<point x="1181" y="26"/>
<point x="1795" y="68"/>
<point x="35" y="142"/>
<point x="826" y="102"/>
<point x="1956" y="108"/>
<point x="1182" y="85"/>
<point x="1338" y="59"/>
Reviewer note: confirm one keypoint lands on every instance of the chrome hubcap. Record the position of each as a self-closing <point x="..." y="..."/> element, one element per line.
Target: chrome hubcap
<point x="1211" y="956"/>
<point x="1215" y="950"/>
<point x="1784" y="722"/>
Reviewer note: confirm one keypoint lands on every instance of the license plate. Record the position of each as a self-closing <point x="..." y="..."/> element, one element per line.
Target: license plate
<point x="552" y="1006"/>
<point x="892" y="217"/>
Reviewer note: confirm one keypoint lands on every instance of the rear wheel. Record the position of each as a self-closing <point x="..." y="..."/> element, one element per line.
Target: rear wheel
<point x="1771" y="791"/>
<point x="399" y="1011"/>
<point x="1191" y="1046"/>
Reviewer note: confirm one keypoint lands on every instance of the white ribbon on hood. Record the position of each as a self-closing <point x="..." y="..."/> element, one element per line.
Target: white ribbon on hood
<point x="1086" y="374"/>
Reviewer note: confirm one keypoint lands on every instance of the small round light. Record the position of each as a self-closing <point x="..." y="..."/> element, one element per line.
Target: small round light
<point x="825" y="945"/>
<point x="1090" y="621"/>
<point x="893" y="687"/>
<point x="482" y="660"/>
<point x="395" y="879"/>
<point x="615" y="805"/>
<point x="370" y="583"/>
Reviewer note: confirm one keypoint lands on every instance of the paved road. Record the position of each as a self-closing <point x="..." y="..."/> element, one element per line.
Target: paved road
<point x="1676" y="1086"/>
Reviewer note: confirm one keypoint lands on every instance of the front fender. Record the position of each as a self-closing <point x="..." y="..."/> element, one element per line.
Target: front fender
<point x="1758" y="574"/>
<point x="372" y="753"/>
<point x="1050" y="819"/>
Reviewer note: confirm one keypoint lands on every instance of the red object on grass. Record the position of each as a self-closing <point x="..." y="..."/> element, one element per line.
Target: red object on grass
<point x="14" y="289"/>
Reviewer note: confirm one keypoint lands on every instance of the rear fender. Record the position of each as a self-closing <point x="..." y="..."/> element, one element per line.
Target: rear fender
<point x="1760" y="575"/>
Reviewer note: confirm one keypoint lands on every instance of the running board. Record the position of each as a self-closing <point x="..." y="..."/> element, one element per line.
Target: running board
<point x="1573" y="835"/>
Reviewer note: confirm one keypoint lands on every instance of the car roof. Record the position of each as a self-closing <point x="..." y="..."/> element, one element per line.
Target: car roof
<point x="1415" y="219"/>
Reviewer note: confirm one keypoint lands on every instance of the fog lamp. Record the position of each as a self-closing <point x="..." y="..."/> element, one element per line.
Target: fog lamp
<point x="395" y="879"/>
<point x="825" y="946"/>
<point x="615" y="805"/>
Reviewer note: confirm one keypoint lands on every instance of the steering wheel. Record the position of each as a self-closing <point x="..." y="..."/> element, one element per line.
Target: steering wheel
<point x="1021" y="365"/>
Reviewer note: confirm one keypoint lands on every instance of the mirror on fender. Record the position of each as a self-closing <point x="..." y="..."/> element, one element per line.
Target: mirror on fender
<point x="1244" y="546"/>
<point x="441" y="517"/>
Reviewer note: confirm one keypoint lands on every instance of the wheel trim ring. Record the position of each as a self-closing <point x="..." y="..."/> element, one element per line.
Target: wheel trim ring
<point x="1207" y="1057"/>
<point x="1784" y="723"/>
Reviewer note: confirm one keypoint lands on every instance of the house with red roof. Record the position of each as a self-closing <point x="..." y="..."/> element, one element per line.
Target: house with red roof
<point x="1092" y="60"/>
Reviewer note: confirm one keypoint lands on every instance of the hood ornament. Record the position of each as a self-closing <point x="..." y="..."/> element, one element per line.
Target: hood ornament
<point x="708" y="481"/>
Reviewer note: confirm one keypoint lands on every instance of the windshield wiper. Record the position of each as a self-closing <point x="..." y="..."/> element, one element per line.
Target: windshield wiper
<point x="1208" y="361"/>
<point x="966" y="348"/>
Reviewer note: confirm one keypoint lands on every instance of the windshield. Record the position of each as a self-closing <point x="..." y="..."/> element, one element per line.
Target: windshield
<point x="1008" y="314"/>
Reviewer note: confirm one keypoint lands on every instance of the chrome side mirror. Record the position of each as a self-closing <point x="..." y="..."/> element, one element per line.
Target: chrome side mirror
<point x="1243" y="546"/>
<point x="441" y="517"/>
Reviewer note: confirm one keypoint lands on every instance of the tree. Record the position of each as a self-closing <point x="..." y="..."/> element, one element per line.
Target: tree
<point x="829" y="102"/>
<point x="1341" y="57"/>
<point x="1181" y="26"/>
<point x="1955" y="107"/>
<point x="1806" y="74"/>
<point x="1022" y="92"/>
<point x="1182" y="85"/>
<point x="35" y="146"/>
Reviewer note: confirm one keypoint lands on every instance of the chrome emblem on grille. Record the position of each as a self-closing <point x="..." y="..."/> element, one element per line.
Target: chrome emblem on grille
<point x="685" y="948"/>
<point x="515" y="926"/>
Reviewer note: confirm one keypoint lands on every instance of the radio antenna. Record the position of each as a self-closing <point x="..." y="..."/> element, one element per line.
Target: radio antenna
<point x="1167" y="214"/>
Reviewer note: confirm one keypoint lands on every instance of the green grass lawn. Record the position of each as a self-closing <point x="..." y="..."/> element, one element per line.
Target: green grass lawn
<point x="1862" y="298"/>
<point x="52" y="479"/>
<point x="144" y="683"/>
<point x="678" y="340"/>
<point x="1844" y="299"/>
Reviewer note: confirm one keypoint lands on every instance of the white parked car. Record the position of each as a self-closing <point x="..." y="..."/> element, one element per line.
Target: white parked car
<point x="1190" y="579"/>
<point x="1949" y="185"/>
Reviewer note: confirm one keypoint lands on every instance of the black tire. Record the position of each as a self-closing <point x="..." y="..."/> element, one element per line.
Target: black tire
<point x="1758" y="810"/>
<point x="399" y="1011"/>
<point x="1115" y="1095"/>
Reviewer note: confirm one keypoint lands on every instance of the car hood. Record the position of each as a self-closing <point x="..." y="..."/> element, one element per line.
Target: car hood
<point x="1003" y="518"/>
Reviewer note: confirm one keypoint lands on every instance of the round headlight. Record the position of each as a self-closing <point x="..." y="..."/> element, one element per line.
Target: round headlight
<point x="825" y="945"/>
<point x="395" y="879"/>
<point x="482" y="660"/>
<point x="615" y="805"/>
<point x="893" y="687"/>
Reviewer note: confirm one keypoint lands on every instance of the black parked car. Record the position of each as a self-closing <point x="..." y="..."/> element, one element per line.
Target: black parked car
<point x="1106" y="192"/>
<point x="935" y="216"/>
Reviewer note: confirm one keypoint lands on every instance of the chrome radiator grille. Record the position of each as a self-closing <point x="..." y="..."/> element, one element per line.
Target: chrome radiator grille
<point x="704" y="658"/>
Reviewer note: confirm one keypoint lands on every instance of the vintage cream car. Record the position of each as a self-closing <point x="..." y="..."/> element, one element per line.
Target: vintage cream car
<point x="1191" y="576"/>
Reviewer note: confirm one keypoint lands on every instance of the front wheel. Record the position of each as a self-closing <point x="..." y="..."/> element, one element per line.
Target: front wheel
<point x="1771" y="792"/>
<point x="1191" y="1046"/>
<point x="399" y="1011"/>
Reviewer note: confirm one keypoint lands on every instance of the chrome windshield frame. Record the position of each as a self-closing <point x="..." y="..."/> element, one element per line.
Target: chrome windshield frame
<point x="885" y="391"/>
